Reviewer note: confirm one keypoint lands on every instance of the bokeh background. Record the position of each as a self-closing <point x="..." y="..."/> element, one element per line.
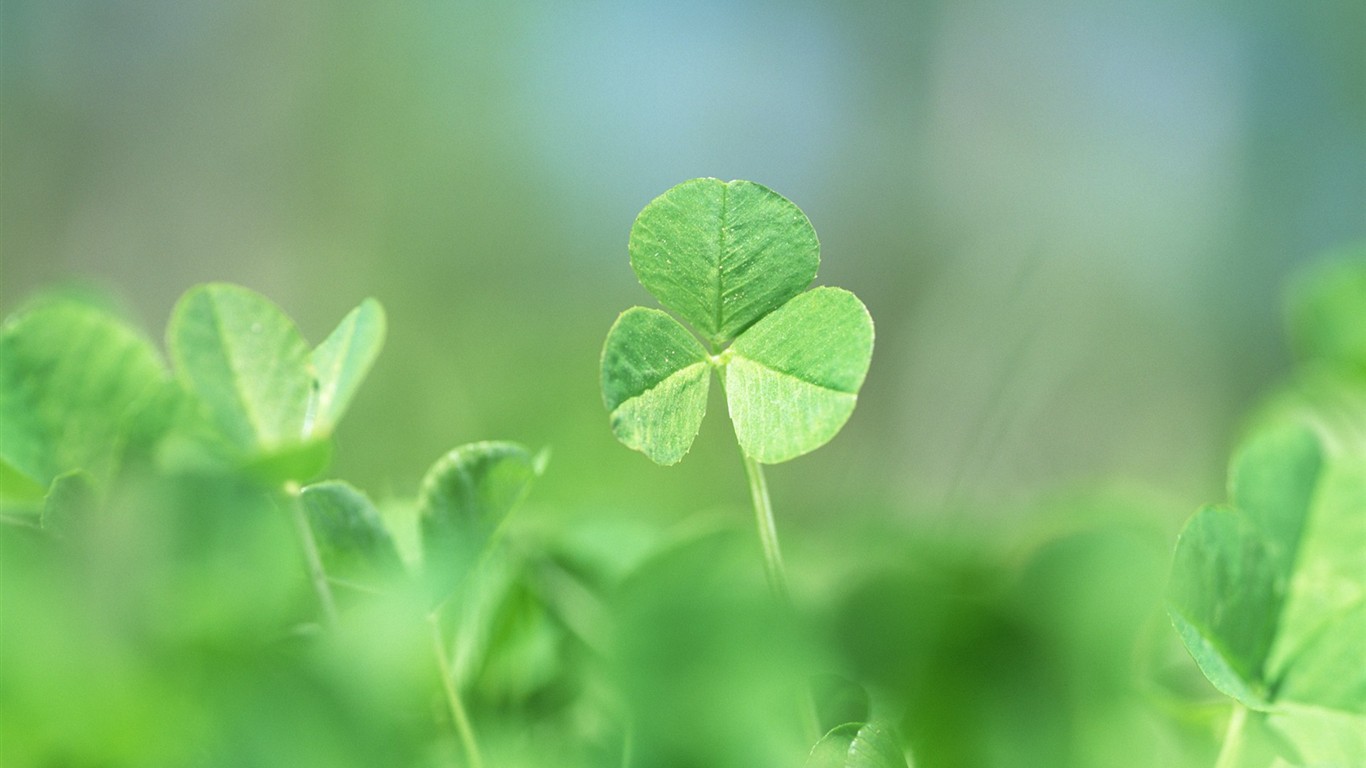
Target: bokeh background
<point x="1072" y="222"/>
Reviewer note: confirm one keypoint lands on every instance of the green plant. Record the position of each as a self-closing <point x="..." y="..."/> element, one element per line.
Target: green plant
<point x="1268" y="592"/>
<point x="245" y="418"/>
<point x="734" y="259"/>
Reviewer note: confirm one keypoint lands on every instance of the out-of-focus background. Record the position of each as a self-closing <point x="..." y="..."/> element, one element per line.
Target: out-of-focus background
<point x="1072" y="223"/>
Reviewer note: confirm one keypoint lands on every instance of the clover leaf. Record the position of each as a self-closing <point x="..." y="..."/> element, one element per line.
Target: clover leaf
<point x="734" y="260"/>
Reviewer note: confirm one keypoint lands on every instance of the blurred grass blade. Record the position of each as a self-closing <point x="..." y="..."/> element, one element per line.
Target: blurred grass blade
<point x="341" y="363"/>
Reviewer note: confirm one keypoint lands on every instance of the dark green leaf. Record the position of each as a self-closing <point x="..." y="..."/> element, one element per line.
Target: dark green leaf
<point x="793" y="378"/>
<point x="74" y="383"/>
<point x="857" y="745"/>
<point x="341" y="362"/>
<point x="655" y="377"/>
<point x="721" y="254"/>
<point x="352" y="540"/>
<point x="465" y="496"/>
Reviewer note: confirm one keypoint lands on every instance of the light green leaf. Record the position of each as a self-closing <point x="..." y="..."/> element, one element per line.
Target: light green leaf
<point x="1323" y="623"/>
<point x="1268" y="595"/>
<point x="464" y="498"/>
<point x="1328" y="313"/>
<point x="1320" y="738"/>
<point x="340" y="364"/>
<point x="857" y="745"/>
<point x="70" y="502"/>
<point x="352" y="540"/>
<point x="245" y="362"/>
<point x="793" y="378"/>
<point x="1226" y="593"/>
<point x="655" y="377"/>
<point x="75" y="382"/>
<point x="723" y="254"/>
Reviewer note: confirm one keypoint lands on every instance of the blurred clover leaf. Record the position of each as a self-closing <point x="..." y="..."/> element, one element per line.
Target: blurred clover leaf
<point x="268" y="399"/>
<point x="734" y="260"/>
<point x="857" y="745"/>
<point x="1269" y="593"/>
<point x="76" y="386"/>
<point x="465" y="497"/>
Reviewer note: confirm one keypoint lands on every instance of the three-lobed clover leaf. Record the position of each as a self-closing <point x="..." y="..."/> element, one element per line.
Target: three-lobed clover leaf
<point x="734" y="259"/>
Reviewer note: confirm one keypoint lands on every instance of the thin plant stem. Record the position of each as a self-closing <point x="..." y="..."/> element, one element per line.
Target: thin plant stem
<point x="777" y="573"/>
<point x="458" y="714"/>
<point x="768" y="530"/>
<point x="312" y="558"/>
<point x="1231" y="752"/>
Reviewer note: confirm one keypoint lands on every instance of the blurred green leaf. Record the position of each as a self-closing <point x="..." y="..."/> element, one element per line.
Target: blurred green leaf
<point x="352" y="540"/>
<point x="1233" y="565"/>
<point x="244" y="360"/>
<point x="70" y="501"/>
<point x="1328" y="313"/>
<point x="465" y="496"/>
<point x="723" y="254"/>
<point x="655" y="377"/>
<point x="74" y="382"/>
<point x="1270" y="595"/>
<point x="838" y="701"/>
<point x="340" y="364"/>
<point x="795" y="375"/>
<point x="857" y="745"/>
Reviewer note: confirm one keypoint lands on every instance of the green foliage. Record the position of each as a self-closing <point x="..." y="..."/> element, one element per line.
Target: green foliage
<point x="857" y="745"/>
<point x="655" y="377"/>
<point x="272" y="403"/>
<point x="76" y="385"/>
<point x="352" y="540"/>
<point x="1269" y="593"/>
<point x="733" y="259"/>
<point x="465" y="497"/>
<point x="722" y="255"/>
<point x="340" y="364"/>
<point x="1328" y="313"/>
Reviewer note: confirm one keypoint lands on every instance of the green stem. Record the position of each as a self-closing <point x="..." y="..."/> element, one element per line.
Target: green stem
<point x="312" y="558"/>
<point x="458" y="714"/>
<point x="777" y="573"/>
<point x="1232" y="749"/>
<point x="768" y="530"/>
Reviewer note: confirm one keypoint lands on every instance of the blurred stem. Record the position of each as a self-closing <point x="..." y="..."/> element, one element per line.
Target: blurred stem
<point x="768" y="530"/>
<point x="777" y="573"/>
<point x="1232" y="750"/>
<point x="458" y="713"/>
<point x="311" y="556"/>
